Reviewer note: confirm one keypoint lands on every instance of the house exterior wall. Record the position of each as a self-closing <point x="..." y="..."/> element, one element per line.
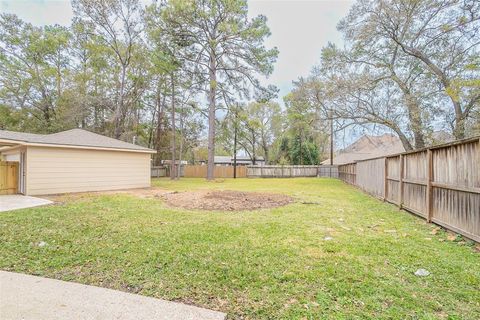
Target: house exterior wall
<point x="61" y="170"/>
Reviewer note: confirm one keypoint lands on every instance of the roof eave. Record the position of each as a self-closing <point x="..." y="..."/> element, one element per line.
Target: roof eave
<point x="53" y="145"/>
<point x="11" y="142"/>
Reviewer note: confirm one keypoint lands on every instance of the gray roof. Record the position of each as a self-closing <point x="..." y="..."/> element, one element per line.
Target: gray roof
<point x="229" y="159"/>
<point x="74" y="137"/>
<point x="368" y="147"/>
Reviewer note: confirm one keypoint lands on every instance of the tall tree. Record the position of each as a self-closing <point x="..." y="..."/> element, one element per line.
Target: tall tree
<point x="34" y="67"/>
<point x="441" y="35"/>
<point x="224" y="49"/>
<point x="118" y="24"/>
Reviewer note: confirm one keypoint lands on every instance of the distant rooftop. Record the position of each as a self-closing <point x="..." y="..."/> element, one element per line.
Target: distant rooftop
<point x="74" y="137"/>
<point x="368" y="147"/>
<point x="229" y="159"/>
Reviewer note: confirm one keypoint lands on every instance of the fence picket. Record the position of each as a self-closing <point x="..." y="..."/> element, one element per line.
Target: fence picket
<point x="440" y="184"/>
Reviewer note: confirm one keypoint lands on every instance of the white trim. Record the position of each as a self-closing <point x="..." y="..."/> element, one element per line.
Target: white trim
<point x="52" y="145"/>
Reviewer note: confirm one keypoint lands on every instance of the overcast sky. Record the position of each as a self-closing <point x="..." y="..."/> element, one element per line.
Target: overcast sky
<point x="299" y="28"/>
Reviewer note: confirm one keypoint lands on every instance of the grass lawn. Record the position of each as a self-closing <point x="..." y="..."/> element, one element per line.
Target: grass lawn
<point x="267" y="264"/>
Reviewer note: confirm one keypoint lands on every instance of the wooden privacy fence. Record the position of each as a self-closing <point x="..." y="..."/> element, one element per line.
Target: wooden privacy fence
<point x="8" y="177"/>
<point x="219" y="171"/>
<point x="291" y="171"/>
<point x="440" y="184"/>
<point x="158" y="172"/>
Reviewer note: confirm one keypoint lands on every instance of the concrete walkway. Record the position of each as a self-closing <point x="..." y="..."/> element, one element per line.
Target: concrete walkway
<point x="29" y="297"/>
<point x="17" y="201"/>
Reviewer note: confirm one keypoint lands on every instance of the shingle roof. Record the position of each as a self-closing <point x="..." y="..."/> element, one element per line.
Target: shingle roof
<point x="368" y="147"/>
<point x="74" y="137"/>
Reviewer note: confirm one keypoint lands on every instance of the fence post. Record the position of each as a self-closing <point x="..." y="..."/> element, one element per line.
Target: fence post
<point x="385" y="187"/>
<point x="429" y="184"/>
<point x="400" y="181"/>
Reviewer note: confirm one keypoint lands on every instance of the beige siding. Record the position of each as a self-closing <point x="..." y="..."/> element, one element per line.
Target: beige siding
<point x="62" y="170"/>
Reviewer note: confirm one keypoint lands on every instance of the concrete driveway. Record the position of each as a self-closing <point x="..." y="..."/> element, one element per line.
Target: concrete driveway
<point x="17" y="201"/>
<point x="28" y="297"/>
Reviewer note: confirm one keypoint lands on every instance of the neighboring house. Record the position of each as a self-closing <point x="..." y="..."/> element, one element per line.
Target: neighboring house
<point x="241" y="161"/>
<point x="177" y="162"/>
<point x="75" y="161"/>
<point x="368" y="147"/>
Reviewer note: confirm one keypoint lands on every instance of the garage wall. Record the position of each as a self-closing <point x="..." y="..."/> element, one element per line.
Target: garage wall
<point x="62" y="170"/>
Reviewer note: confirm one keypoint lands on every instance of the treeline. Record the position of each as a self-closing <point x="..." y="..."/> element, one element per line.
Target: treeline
<point x="411" y="67"/>
<point x="181" y="76"/>
<point x="132" y="72"/>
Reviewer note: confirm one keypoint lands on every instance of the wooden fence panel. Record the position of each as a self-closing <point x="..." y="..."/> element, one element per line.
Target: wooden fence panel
<point x="158" y="172"/>
<point x="440" y="184"/>
<point x="293" y="171"/>
<point x="393" y="180"/>
<point x="372" y="183"/>
<point x="328" y="171"/>
<point x="456" y="188"/>
<point x="219" y="171"/>
<point x="415" y="182"/>
<point x="347" y="173"/>
<point x="8" y="177"/>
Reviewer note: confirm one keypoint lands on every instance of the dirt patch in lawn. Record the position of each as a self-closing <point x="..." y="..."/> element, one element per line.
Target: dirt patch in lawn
<point x="225" y="200"/>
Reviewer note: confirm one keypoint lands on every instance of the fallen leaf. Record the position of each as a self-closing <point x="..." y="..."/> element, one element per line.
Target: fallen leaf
<point x="451" y="237"/>
<point x="435" y="230"/>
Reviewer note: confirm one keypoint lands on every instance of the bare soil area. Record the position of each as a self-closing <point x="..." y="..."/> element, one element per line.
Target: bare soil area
<point x="225" y="200"/>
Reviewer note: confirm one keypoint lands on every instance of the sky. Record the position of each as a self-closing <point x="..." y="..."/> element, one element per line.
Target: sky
<point x="299" y="29"/>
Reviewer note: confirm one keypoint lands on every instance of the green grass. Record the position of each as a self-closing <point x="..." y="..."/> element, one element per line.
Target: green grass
<point x="268" y="264"/>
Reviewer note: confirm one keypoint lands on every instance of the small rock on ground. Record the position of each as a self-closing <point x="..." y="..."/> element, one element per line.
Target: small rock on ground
<point x="422" y="273"/>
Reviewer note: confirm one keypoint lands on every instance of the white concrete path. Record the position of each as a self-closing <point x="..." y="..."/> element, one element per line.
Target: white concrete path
<point x="17" y="201"/>
<point x="29" y="297"/>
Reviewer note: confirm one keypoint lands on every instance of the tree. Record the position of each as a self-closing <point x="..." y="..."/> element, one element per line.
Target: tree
<point x="306" y="120"/>
<point x="224" y="49"/>
<point x="117" y="23"/>
<point x="441" y="35"/>
<point x="33" y="70"/>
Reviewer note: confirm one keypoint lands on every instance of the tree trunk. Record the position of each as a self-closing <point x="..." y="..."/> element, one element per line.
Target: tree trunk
<point x="331" y="138"/>
<point x="414" y="112"/>
<point x="235" y="128"/>
<point x="179" y="171"/>
<point x="459" y="130"/>
<point x="211" y="118"/>
<point x="406" y="144"/>
<point x="254" y="160"/>
<point x="173" y="172"/>
<point x="416" y="123"/>
<point x="119" y="108"/>
<point x="159" y="132"/>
